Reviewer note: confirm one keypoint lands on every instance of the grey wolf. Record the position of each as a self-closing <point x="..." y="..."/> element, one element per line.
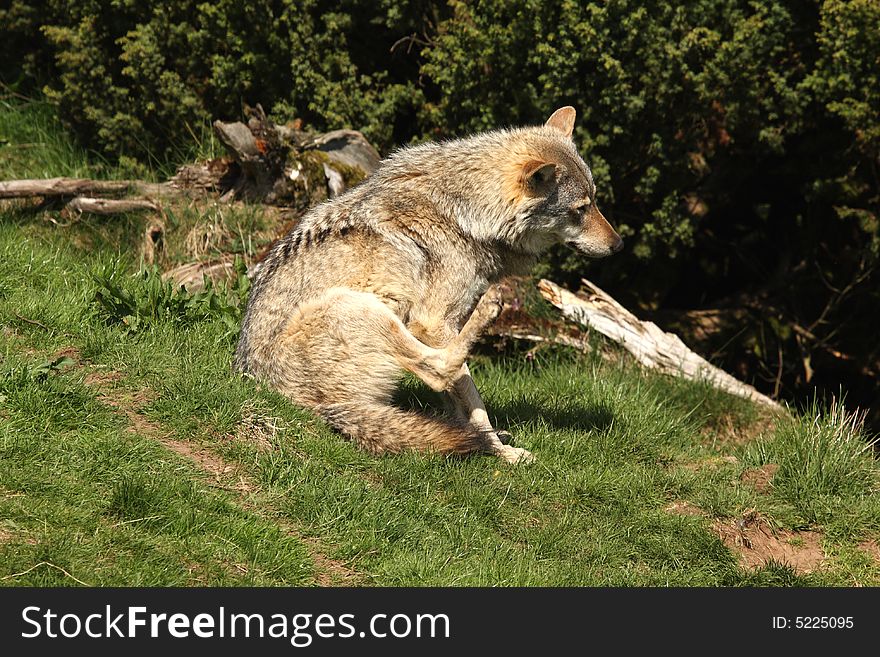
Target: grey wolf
<point x="401" y="273"/>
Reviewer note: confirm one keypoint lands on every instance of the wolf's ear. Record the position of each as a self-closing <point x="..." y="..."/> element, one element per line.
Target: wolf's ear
<point x="563" y="120"/>
<point x="539" y="177"/>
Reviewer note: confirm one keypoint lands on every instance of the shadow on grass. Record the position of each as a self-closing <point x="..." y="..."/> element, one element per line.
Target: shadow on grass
<point x="597" y="417"/>
<point x="583" y="418"/>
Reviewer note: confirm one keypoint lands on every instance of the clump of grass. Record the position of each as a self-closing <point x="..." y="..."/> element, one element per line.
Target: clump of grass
<point x="824" y="458"/>
<point x="774" y="573"/>
<point x="147" y="298"/>
<point x="133" y="497"/>
<point x="259" y="427"/>
<point x="33" y="144"/>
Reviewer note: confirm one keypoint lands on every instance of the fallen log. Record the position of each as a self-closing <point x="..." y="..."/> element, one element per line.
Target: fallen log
<point x="564" y="340"/>
<point x="86" y="192"/>
<point x="647" y="342"/>
<point x="85" y="204"/>
<point x="267" y="163"/>
<point x="53" y="187"/>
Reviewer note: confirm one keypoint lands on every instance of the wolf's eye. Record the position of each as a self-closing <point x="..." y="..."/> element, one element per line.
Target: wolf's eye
<point x="579" y="209"/>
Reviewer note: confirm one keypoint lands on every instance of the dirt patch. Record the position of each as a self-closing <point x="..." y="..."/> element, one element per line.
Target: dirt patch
<point x="69" y="352"/>
<point x="871" y="548"/>
<point x="328" y="571"/>
<point x="224" y="473"/>
<point x="10" y="536"/>
<point x="756" y="543"/>
<point x="760" y="478"/>
<point x="713" y="462"/>
<point x="727" y="432"/>
<point x="126" y="402"/>
<point x="683" y="508"/>
<point x="102" y="379"/>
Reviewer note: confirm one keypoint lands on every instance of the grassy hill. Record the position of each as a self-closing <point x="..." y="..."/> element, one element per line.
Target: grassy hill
<point x="130" y="454"/>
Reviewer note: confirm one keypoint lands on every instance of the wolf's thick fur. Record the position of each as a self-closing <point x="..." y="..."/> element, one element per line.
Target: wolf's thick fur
<point x="397" y="274"/>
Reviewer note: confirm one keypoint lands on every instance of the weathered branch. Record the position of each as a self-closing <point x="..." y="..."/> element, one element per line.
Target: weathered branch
<point x="561" y="339"/>
<point x="90" y="205"/>
<point x="85" y="187"/>
<point x="62" y="187"/>
<point x="647" y="342"/>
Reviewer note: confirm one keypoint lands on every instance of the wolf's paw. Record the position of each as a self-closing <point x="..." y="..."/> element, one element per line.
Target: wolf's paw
<point x="504" y="436"/>
<point x="488" y="308"/>
<point x="515" y="455"/>
<point x="491" y="303"/>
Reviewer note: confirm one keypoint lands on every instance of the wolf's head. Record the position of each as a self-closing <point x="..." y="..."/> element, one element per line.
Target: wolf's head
<point x="554" y="192"/>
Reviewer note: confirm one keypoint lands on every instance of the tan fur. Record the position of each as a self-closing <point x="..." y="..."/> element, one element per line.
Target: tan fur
<point x="513" y="192"/>
<point x="563" y="120"/>
<point x="397" y="274"/>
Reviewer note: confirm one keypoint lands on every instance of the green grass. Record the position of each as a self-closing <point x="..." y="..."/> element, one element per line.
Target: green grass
<point x="824" y="461"/>
<point x="33" y="145"/>
<point x="130" y="454"/>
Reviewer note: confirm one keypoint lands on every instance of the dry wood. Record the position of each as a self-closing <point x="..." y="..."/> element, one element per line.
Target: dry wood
<point x="62" y="187"/>
<point x="565" y="340"/>
<point x="191" y="275"/>
<point x="82" y="204"/>
<point x="273" y="160"/>
<point x="268" y="163"/>
<point x="209" y="176"/>
<point x="347" y="147"/>
<point x="86" y="187"/>
<point x="647" y="342"/>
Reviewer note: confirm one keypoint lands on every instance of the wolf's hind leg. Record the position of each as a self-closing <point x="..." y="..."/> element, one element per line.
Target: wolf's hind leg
<point x="445" y="369"/>
<point x="341" y="355"/>
<point x="462" y="396"/>
<point x="359" y="342"/>
<point x="358" y="338"/>
<point x="441" y="368"/>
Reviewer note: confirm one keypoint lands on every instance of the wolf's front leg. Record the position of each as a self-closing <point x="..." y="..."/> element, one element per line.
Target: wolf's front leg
<point x="468" y="405"/>
<point x="457" y="384"/>
<point x="464" y="395"/>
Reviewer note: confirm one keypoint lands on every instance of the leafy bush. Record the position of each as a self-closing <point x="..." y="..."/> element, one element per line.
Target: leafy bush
<point x="685" y="108"/>
<point x="138" y="78"/>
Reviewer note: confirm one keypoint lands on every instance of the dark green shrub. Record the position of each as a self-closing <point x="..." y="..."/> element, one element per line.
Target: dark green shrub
<point x="681" y="103"/>
<point x="139" y="78"/>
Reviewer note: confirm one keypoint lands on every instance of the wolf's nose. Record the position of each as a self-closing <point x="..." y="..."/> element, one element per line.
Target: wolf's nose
<point x="618" y="245"/>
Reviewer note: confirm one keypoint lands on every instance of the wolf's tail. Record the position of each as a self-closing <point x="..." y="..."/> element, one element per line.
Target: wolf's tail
<point x="381" y="429"/>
